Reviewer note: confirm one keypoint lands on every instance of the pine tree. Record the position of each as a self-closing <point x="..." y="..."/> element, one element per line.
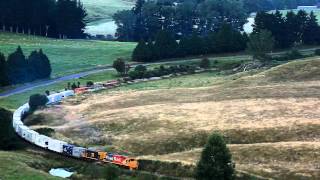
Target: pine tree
<point x="260" y="44"/>
<point x="140" y="53"/>
<point x="45" y="64"/>
<point x="215" y="161"/>
<point x="165" y="45"/>
<point x="17" y="67"/>
<point x="3" y="71"/>
<point x="311" y="33"/>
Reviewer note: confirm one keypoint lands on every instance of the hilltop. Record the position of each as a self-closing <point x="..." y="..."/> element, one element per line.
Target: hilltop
<point x="266" y="116"/>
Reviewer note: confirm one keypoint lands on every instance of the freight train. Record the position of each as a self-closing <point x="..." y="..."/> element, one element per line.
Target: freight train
<point x="62" y="147"/>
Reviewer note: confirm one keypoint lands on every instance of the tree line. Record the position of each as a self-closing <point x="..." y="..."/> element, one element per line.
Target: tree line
<point x="290" y="29"/>
<point x="52" y="18"/>
<point x="225" y="40"/>
<point x="19" y="69"/>
<point x="185" y="17"/>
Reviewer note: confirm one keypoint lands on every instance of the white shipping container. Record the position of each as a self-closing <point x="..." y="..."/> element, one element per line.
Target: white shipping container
<point x="78" y="151"/>
<point x="55" y="98"/>
<point x="42" y="141"/>
<point x="22" y="129"/>
<point x="30" y="135"/>
<point x="56" y="145"/>
<point x="16" y="124"/>
<point x="66" y="94"/>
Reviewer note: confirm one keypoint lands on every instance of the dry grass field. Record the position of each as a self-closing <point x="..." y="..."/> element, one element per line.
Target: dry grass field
<point x="270" y="119"/>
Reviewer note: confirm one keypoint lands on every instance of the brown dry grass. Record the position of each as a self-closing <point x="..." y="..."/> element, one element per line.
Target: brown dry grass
<point x="271" y="124"/>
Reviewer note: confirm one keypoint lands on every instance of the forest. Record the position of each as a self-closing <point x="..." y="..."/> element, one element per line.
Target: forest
<point x="185" y="17"/>
<point x="50" y="18"/>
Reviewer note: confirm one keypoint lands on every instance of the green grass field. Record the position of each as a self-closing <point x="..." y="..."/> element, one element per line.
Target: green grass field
<point x="68" y="56"/>
<point x="104" y="9"/>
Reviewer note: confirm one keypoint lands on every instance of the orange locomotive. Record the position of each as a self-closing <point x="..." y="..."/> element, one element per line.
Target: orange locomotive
<point x="116" y="159"/>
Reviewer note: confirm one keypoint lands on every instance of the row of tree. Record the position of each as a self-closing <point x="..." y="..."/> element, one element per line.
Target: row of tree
<point x="182" y="18"/>
<point x="165" y="46"/>
<point x="291" y="29"/>
<point x="53" y="18"/>
<point x="185" y="17"/>
<point x="19" y="69"/>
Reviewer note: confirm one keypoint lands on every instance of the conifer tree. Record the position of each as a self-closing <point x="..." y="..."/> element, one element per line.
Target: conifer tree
<point x="165" y="45"/>
<point x="3" y="71"/>
<point x="311" y="33"/>
<point x="17" y="67"/>
<point x="140" y="53"/>
<point x="215" y="161"/>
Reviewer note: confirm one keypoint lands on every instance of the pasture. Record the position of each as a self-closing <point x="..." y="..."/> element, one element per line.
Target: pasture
<point x="68" y="56"/>
<point x="268" y="117"/>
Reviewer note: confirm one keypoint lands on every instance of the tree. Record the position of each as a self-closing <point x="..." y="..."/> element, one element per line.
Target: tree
<point x="142" y="53"/>
<point x="205" y="63"/>
<point x="215" y="161"/>
<point x="3" y="71"/>
<point x="165" y="45"/>
<point x="8" y="138"/>
<point x="37" y="100"/>
<point x="120" y="66"/>
<point x="311" y="33"/>
<point x="260" y="44"/>
<point x="17" y="67"/>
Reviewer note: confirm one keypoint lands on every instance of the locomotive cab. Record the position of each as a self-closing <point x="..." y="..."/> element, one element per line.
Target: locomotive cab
<point x="132" y="163"/>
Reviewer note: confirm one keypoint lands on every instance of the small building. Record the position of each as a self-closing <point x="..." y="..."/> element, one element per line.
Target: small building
<point x="307" y="8"/>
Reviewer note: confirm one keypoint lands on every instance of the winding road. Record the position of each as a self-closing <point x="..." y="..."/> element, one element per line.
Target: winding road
<point x="30" y="86"/>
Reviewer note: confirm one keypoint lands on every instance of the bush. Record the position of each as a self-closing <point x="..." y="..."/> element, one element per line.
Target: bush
<point x="96" y="171"/>
<point x="45" y="131"/>
<point x="120" y="66"/>
<point x="8" y="138"/>
<point x="294" y="54"/>
<point x="90" y="83"/>
<point x="205" y="63"/>
<point x="37" y="100"/>
<point x="215" y="161"/>
<point x="317" y="52"/>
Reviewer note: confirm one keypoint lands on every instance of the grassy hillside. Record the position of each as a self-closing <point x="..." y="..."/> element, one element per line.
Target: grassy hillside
<point x="269" y="119"/>
<point x="104" y="9"/>
<point x="68" y="56"/>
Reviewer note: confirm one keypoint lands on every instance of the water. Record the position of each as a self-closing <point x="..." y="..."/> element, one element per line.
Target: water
<point x="102" y="28"/>
<point x="60" y="172"/>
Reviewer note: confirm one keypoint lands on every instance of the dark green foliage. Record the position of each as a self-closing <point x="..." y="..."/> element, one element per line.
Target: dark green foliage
<point x="120" y="66"/>
<point x="96" y="171"/>
<point x="290" y="30"/>
<point x="215" y="161"/>
<point x="317" y="52"/>
<point x="39" y="65"/>
<point x="4" y="81"/>
<point x="165" y="46"/>
<point x="8" y="139"/>
<point x="74" y="86"/>
<point x="205" y="63"/>
<point x="260" y="44"/>
<point x="17" y="69"/>
<point x="45" y="131"/>
<point x="61" y="18"/>
<point x="143" y="52"/>
<point x="37" y="100"/>
<point x="90" y="83"/>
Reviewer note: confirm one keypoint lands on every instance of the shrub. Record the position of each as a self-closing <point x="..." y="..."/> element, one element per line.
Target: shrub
<point x="45" y="131"/>
<point x="215" y="161"/>
<point x="317" y="52"/>
<point x="96" y="171"/>
<point x="294" y="54"/>
<point x="8" y="138"/>
<point x="120" y="66"/>
<point x="74" y="86"/>
<point x="205" y="63"/>
<point x="140" y="68"/>
<point x="90" y="83"/>
<point x="37" y="100"/>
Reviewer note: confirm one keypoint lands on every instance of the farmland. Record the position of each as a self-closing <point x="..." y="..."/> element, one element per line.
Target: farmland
<point x="104" y="9"/>
<point x="68" y="56"/>
<point x="270" y="119"/>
